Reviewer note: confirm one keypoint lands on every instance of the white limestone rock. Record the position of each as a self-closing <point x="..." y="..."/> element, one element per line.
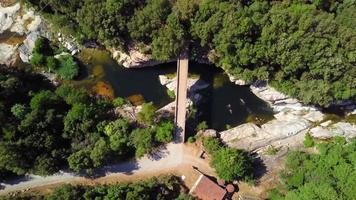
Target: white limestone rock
<point x="7" y="54"/>
<point x="208" y="133"/>
<point x="7" y="16"/>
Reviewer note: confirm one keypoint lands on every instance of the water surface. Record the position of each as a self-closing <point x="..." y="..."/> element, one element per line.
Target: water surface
<point x="224" y="104"/>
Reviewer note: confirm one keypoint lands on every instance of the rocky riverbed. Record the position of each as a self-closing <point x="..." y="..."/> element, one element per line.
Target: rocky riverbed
<point x="292" y="121"/>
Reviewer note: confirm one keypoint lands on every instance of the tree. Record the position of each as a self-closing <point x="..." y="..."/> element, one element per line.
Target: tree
<point x="51" y="64"/>
<point x="68" y="68"/>
<point x="38" y="60"/>
<point x="80" y="160"/>
<point x="164" y="131"/>
<point x="19" y="111"/>
<point x="170" y="40"/>
<point x="145" y="24"/>
<point x="119" y="135"/>
<point x="232" y="164"/>
<point x="66" y="192"/>
<point x="142" y="140"/>
<point x="100" y="153"/>
<point x="147" y="113"/>
<point x="72" y="95"/>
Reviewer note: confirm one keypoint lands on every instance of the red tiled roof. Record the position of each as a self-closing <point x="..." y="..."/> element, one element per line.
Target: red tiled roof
<point x="206" y="189"/>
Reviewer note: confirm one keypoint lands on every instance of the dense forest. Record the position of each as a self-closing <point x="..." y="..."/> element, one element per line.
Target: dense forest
<point x="161" y="188"/>
<point x="46" y="128"/>
<point x="304" y="48"/>
<point x="329" y="174"/>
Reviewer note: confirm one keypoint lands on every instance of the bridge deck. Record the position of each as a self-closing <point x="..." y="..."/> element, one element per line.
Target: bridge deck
<point x="181" y="97"/>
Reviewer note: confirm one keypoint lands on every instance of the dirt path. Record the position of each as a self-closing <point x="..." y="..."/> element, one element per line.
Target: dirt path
<point x="175" y="158"/>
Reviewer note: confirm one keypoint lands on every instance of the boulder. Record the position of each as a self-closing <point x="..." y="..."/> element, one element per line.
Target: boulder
<point x="163" y="79"/>
<point x="7" y="54"/>
<point x="7" y="16"/>
<point x="25" y="49"/>
<point x="343" y="129"/>
<point x="133" y="58"/>
<point x="208" y="133"/>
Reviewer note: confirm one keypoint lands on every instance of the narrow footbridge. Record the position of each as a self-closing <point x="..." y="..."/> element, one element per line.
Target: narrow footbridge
<point x="181" y="96"/>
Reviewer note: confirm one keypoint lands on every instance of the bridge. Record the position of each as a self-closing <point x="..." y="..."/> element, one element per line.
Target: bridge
<point x="181" y="96"/>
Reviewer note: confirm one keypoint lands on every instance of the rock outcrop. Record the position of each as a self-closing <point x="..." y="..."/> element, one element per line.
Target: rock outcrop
<point x="193" y="86"/>
<point x="292" y="121"/>
<point x="21" y="22"/>
<point x="7" y="54"/>
<point x="134" y="58"/>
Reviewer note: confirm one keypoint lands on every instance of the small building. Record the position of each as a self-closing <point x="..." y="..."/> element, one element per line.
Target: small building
<point x="206" y="189"/>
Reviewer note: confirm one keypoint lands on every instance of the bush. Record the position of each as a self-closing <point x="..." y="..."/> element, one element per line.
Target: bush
<point x="232" y="164"/>
<point x="308" y="141"/>
<point x="142" y="140"/>
<point x="171" y="94"/>
<point x="271" y="150"/>
<point x="191" y="139"/>
<point x="51" y="64"/>
<point x="68" y="68"/>
<point x="212" y="145"/>
<point x="202" y="126"/>
<point x="164" y="132"/>
<point x="19" y="111"/>
<point x="147" y="113"/>
<point x="38" y="60"/>
<point x="118" y="102"/>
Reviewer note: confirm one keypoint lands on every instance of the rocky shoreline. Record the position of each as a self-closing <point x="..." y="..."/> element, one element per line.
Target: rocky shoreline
<point x="291" y="117"/>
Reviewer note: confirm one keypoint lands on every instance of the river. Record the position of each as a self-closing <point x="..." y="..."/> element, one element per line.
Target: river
<point x="224" y="104"/>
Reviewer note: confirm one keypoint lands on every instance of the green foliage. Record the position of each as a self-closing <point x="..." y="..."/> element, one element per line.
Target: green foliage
<point x="146" y="115"/>
<point x="330" y="174"/>
<point x="72" y="95"/>
<point x="271" y="150"/>
<point x="80" y="160"/>
<point x="145" y="24"/>
<point x="308" y="141"/>
<point x="202" y="126"/>
<point x="170" y="39"/>
<point x="211" y="144"/>
<point x="142" y="140"/>
<point x="19" y="111"/>
<point x="164" y="131"/>
<point x="38" y="60"/>
<point x="229" y="163"/>
<point x="171" y="94"/>
<point x="232" y="164"/>
<point x="68" y="68"/>
<point x="51" y="64"/>
<point x="164" y="188"/>
<point x="118" y="135"/>
<point x="118" y="102"/>
<point x="191" y="139"/>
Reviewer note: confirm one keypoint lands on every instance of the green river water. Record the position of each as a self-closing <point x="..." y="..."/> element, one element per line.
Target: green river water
<point x="224" y="104"/>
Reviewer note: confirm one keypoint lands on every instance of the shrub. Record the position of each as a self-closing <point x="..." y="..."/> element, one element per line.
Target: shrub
<point x="68" y="68"/>
<point x="232" y="164"/>
<point x="171" y="94"/>
<point x="202" y="126"/>
<point x="164" y="132"/>
<point x="271" y="150"/>
<point x="51" y="64"/>
<point x="118" y="102"/>
<point x="147" y="113"/>
<point x="38" y="60"/>
<point x="212" y="145"/>
<point x="308" y="141"/>
<point x="191" y="139"/>
<point x="19" y="111"/>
